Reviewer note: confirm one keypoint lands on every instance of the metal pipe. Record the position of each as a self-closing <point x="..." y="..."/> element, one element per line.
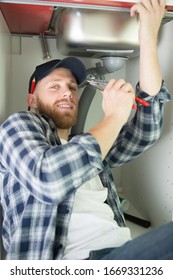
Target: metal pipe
<point x="45" y="50"/>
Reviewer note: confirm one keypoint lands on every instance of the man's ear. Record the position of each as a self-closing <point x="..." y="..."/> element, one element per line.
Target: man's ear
<point x="31" y="101"/>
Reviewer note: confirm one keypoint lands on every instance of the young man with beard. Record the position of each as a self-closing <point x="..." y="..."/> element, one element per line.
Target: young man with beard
<point x="58" y="196"/>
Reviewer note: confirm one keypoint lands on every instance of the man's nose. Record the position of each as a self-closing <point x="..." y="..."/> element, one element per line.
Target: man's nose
<point x="67" y="92"/>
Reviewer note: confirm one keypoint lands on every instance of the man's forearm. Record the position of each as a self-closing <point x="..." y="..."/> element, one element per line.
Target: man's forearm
<point x="150" y="71"/>
<point x="150" y="14"/>
<point x="106" y="133"/>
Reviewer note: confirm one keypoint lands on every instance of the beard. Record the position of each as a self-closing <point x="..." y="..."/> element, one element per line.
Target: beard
<point x="62" y="120"/>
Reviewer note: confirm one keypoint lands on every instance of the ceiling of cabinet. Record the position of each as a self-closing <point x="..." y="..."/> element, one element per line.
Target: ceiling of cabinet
<point x="34" y="17"/>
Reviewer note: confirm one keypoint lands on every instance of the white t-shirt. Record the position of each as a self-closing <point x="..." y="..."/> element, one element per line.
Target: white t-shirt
<point x="92" y="226"/>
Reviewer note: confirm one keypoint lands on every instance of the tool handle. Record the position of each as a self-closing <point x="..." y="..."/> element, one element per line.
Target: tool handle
<point x="137" y="220"/>
<point x="141" y="101"/>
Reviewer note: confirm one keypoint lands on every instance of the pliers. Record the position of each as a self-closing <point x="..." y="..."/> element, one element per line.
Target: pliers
<point x="101" y="84"/>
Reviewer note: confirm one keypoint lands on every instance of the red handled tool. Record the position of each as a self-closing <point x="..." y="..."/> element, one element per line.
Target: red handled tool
<point x="32" y="89"/>
<point x="100" y="84"/>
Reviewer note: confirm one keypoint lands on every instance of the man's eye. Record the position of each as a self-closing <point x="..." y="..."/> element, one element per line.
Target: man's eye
<point x="55" y="87"/>
<point x="73" y="88"/>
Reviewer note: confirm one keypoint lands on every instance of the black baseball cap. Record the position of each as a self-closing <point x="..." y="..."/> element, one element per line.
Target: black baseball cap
<point x="72" y="63"/>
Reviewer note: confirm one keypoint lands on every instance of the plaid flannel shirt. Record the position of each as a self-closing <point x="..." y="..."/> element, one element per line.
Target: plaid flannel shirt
<point x="39" y="176"/>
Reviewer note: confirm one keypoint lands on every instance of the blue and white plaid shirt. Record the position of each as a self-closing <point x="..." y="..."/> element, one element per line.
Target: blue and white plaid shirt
<point x="39" y="176"/>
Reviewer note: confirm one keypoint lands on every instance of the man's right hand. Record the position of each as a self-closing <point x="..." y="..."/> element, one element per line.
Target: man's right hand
<point x="118" y="98"/>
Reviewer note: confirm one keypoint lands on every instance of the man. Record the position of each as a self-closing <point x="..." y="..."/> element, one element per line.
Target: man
<point x="58" y="196"/>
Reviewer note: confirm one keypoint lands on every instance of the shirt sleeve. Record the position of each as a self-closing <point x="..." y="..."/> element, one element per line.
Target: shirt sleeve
<point x="50" y="172"/>
<point x="142" y="130"/>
